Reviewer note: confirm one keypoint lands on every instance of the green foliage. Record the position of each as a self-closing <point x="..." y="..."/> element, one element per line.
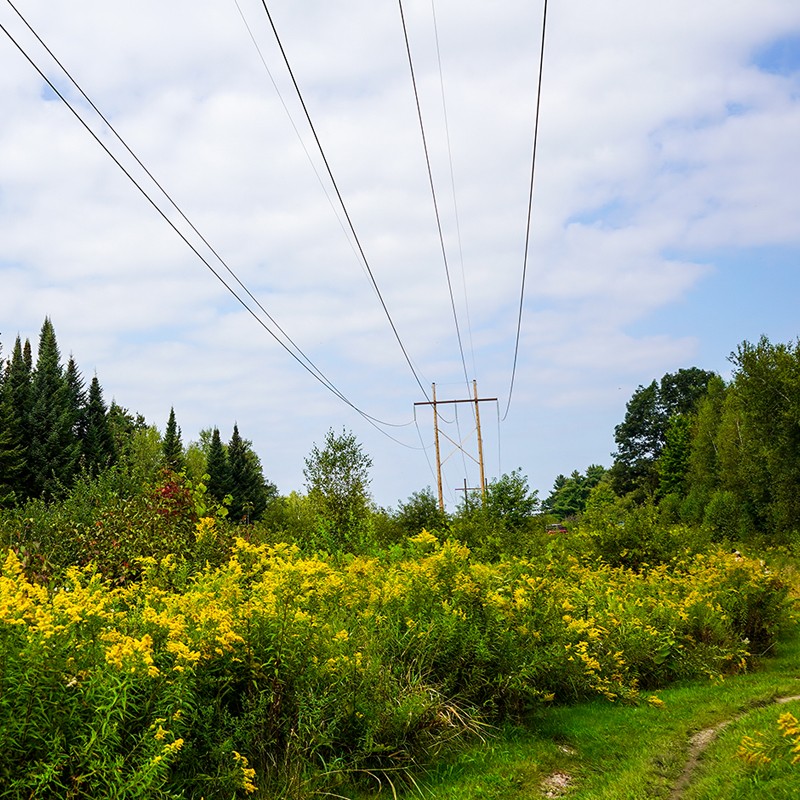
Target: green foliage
<point x="421" y="512"/>
<point x="218" y="468"/>
<point x="636" y="536"/>
<point x="570" y="495"/>
<point x="15" y="427"/>
<point x="337" y="479"/>
<point x="511" y="502"/>
<point x="99" y="448"/>
<point x="171" y="446"/>
<point x="284" y="671"/>
<point x="53" y="450"/>
<point x="746" y="443"/>
<point x="673" y="463"/>
<point x="249" y="491"/>
<point x="641" y="436"/>
<point x="724" y="517"/>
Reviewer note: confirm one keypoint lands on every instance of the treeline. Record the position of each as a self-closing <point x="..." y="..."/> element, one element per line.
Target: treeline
<point x="706" y="452"/>
<point x="55" y="432"/>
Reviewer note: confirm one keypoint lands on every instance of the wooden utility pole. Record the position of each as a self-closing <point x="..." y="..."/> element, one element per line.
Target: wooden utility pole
<point x="480" y="439"/>
<point x="475" y="399"/>
<point x="438" y="456"/>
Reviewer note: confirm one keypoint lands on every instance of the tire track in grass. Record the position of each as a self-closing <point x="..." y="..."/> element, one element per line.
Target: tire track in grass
<point x="700" y="742"/>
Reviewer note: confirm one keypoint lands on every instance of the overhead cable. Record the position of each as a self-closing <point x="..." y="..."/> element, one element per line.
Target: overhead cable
<point x="341" y="199"/>
<point x="297" y="132"/>
<point x="530" y="207"/>
<point x="300" y="357"/>
<point x="433" y="190"/>
<point x="453" y="186"/>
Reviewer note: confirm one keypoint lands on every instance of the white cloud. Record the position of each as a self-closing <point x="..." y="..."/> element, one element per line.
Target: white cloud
<point x="660" y="143"/>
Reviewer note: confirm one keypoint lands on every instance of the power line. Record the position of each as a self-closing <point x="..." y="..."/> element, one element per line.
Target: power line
<point x="453" y="185"/>
<point x="297" y="132"/>
<point x="433" y="190"/>
<point x="301" y="359"/>
<point x="530" y="206"/>
<point x="340" y="198"/>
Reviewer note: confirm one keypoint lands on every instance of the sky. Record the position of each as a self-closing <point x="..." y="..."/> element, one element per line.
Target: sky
<point x="665" y="225"/>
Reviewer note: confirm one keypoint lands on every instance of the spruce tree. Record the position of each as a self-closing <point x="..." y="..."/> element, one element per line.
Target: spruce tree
<point x="218" y="469"/>
<point x="53" y="443"/>
<point x="99" y="449"/>
<point x="11" y="453"/>
<point x="172" y="446"/>
<point x="15" y="409"/>
<point x="249" y="489"/>
<point x="77" y="398"/>
<point x="76" y="394"/>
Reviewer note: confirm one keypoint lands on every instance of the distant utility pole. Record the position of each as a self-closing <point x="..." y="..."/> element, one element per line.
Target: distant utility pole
<point x="459" y="445"/>
<point x="466" y="489"/>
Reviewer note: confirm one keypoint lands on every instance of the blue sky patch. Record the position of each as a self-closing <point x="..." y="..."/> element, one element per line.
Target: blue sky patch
<point x="720" y="315"/>
<point x="47" y="94"/>
<point x="780" y="56"/>
<point x="614" y="214"/>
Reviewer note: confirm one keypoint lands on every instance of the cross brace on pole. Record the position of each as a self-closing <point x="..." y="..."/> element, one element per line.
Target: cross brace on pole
<point x="476" y="400"/>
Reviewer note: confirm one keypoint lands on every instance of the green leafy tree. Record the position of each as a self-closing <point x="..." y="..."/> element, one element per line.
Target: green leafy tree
<point x="143" y="457"/>
<point x="172" y="447"/>
<point x="704" y="455"/>
<point x="510" y="501"/>
<point x="421" y="511"/>
<point x="641" y="436"/>
<point x="759" y="435"/>
<point x="337" y="479"/>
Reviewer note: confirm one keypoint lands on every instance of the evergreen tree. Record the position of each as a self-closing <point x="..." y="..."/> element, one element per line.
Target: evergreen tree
<point x="123" y="425"/>
<point x="218" y="469"/>
<point x="570" y="495"/>
<point x="77" y="398"/>
<point x="15" y="411"/>
<point x="673" y="463"/>
<point x="250" y="491"/>
<point x="76" y="392"/>
<point x="99" y="449"/>
<point x="11" y="454"/>
<point x="53" y="444"/>
<point x="172" y="447"/>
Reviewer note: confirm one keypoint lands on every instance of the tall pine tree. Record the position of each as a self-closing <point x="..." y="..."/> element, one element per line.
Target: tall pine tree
<point x="15" y="411"/>
<point x="250" y="491"/>
<point x="53" y="442"/>
<point x="172" y="447"/>
<point x="99" y="449"/>
<point x="218" y="468"/>
<point x="11" y="454"/>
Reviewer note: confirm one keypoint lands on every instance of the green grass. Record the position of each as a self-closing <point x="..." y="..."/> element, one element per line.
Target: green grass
<point x="603" y="751"/>
<point x="722" y="774"/>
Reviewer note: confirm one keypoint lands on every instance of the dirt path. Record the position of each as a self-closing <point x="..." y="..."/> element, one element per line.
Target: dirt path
<point x="698" y="744"/>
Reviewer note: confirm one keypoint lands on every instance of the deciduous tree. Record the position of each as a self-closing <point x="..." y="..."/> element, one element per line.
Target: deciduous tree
<point x="337" y="479"/>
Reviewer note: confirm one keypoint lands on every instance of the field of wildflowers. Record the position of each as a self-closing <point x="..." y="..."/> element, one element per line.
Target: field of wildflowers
<point x="278" y="673"/>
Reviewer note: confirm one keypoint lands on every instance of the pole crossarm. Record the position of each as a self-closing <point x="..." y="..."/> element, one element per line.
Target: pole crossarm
<point x="459" y="446"/>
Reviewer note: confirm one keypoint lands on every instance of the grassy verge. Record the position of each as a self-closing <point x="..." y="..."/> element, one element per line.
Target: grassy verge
<point x="604" y="751"/>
